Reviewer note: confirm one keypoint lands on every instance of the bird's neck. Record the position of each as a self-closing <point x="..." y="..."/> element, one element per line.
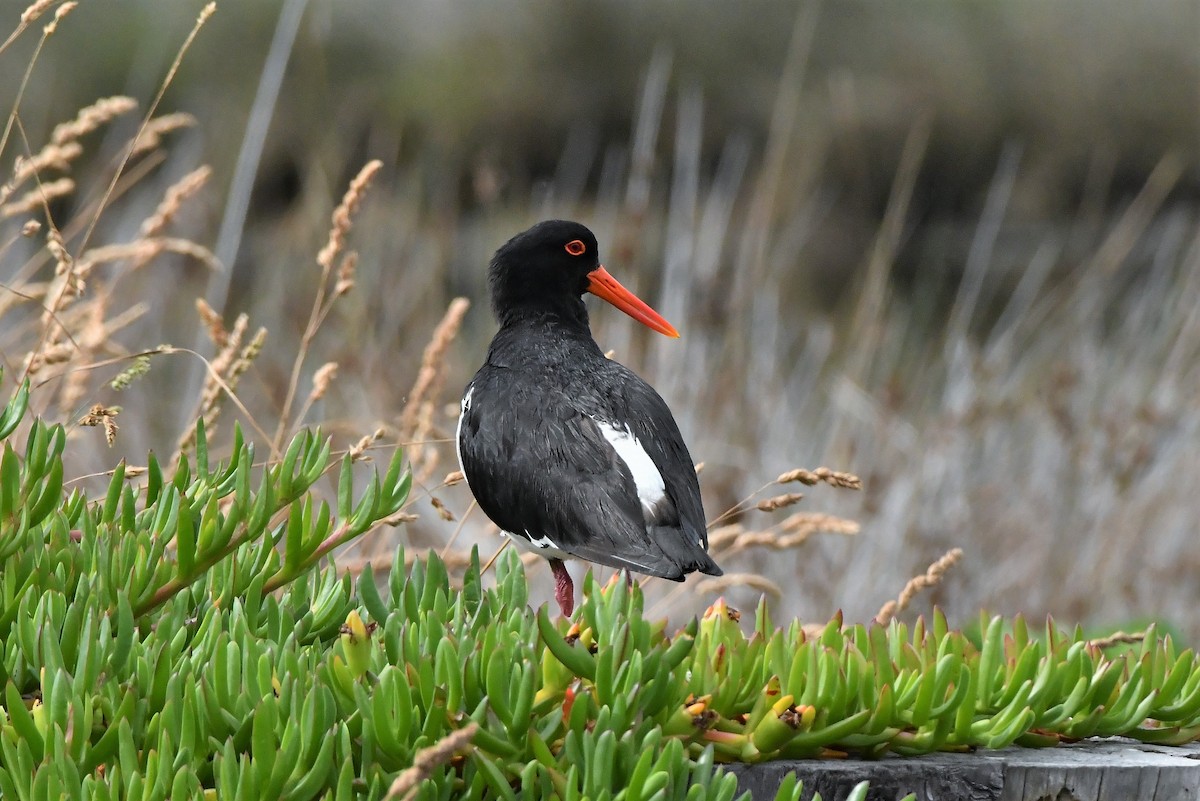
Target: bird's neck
<point x="559" y="316"/>
<point x="547" y="329"/>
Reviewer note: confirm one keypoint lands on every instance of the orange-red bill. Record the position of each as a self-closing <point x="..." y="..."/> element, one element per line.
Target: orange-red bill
<point x="603" y="285"/>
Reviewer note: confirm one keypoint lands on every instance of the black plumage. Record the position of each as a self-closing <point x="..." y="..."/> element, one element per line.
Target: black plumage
<point x="567" y="450"/>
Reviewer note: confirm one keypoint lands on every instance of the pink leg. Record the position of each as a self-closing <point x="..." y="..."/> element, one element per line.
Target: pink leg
<point x="564" y="589"/>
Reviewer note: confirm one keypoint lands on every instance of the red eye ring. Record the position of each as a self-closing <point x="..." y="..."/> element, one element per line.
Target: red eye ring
<point x="576" y="247"/>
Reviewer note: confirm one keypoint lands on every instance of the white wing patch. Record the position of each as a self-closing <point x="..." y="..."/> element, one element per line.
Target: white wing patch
<point x="649" y="482"/>
<point x="463" y="409"/>
<point x="541" y="542"/>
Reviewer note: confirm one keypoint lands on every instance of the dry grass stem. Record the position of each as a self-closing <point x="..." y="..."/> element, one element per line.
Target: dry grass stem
<point x="147" y="130"/>
<point x="416" y="419"/>
<point x="173" y="200"/>
<point x="343" y="221"/>
<point x="1117" y="638"/>
<point x="150" y="137"/>
<point x="225" y="370"/>
<point x="453" y="477"/>
<point x="90" y="118"/>
<point x="37" y="198"/>
<point x="737" y="580"/>
<point x="31" y="228"/>
<point x="63" y="10"/>
<point x="358" y="450"/>
<point x="213" y="324"/>
<point x="409" y="781"/>
<point x="930" y="578"/>
<point x="345" y="274"/>
<point x="322" y="380"/>
<point x="833" y="478"/>
<point x="51" y="157"/>
<point x="140" y="252"/>
<point x="343" y="215"/>
<point x="779" y="501"/>
<point x="814" y="522"/>
<point x="104" y="416"/>
<point x="442" y="511"/>
<point x="30" y="14"/>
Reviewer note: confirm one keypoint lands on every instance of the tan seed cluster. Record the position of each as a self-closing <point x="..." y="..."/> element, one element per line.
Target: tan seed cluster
<point x="833" y="478"/>
<point x="406" y="785"/>
<point x="736" y="580"/>
<point x="779" y="501"/>
<point x="416" y="419"/>
<point x="343" y="215"/>
<point x="322" y="380"/>
<point x="104" y="416"/>
<point x="173" y="200"/>
<point x="930" y="578"/>
<point x="90" y="118"/>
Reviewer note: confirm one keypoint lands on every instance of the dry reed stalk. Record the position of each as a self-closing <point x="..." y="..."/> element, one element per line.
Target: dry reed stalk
<point x="322" y="380"/>
<point x="358" y="450"/>
<point x="779" y="501"/>
<point x="454" y="560"/>
<point x="37" y="198"/>
<point x="225" y="370"/>
<point x="405" y="787"/>
<point x="416" y="419"/>
<point x="442" y="511"/>
<point x="834" y="478"/>
<point x="61" y="291"/>
<point x="342" y="220"/>
<point x="930" y="578"/>
<point x="724" y="535"/>
<point x="173" y="200"/>
<point x="1117" y="638"/>
<point x="141" y="251"/>
<point x="458" y="529"/>
<point x="343" y="215"/>
<point x="347" y="269"/>
<point x="202" y="18"/>
<point x="214" y="326"/>
<point x="30" y="14"/>
<point x="51" y="157"/>
<point x="59" y="14"/>
<point x="90" y="118"/>
<point x="150" y="137"/>
<point x="732" y="580"/>
<point x="104" y="416"/>
<point x="812" y="522"/>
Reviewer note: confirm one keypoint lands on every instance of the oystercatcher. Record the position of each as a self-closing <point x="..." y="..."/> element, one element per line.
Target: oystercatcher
<point x="570" y="453"/>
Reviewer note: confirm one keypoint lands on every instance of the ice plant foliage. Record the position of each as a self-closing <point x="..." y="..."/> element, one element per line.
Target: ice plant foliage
<point x="181" y="638"/>
<point x="184" y="637"/>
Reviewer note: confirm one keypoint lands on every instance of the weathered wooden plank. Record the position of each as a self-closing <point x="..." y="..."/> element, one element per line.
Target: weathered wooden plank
<point x="1113" y="769"/>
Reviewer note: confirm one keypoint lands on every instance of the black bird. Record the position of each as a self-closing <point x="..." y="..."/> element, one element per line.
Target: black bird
<point x="570" y="453"/>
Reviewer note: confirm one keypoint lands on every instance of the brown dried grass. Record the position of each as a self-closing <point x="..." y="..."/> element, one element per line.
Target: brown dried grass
<point x="930" y="578"/>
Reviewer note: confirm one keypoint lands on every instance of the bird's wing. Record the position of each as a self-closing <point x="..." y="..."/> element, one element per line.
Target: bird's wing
<point x="651" y="422"/>
<point x="542" y="469"/>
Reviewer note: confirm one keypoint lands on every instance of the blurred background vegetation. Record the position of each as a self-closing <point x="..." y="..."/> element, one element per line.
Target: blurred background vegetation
<point x="951" y="247"/>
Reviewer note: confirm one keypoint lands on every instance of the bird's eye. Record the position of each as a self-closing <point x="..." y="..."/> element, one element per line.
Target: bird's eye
<point x="576" y="247"/>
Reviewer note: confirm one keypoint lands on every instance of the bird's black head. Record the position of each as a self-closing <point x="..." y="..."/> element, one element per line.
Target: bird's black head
<point x="548" y="268"/>
<point x="546" y="265"/>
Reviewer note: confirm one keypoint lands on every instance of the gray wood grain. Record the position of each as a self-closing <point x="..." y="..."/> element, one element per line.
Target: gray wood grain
<point x="1112" y="769"/>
